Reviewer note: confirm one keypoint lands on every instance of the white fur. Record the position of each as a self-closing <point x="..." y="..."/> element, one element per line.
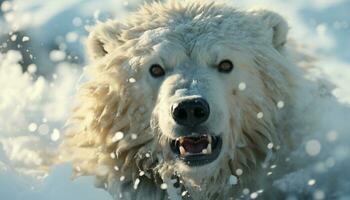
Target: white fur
<point x="188" y="39"/>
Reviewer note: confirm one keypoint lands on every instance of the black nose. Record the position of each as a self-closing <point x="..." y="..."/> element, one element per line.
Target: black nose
<point x="191" y="113"/>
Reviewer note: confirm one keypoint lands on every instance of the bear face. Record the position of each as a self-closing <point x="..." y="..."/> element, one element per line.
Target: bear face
<point x="186" y="90"/>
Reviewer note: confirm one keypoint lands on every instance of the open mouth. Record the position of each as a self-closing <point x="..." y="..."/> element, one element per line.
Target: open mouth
<point x="197" y="150"/>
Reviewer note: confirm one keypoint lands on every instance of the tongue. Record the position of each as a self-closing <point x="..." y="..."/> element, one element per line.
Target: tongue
<point x="192" y="146"/>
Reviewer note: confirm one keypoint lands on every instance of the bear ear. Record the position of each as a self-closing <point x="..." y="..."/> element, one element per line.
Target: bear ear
<point x="103" y="38"/>
<point x="277" y="26"/>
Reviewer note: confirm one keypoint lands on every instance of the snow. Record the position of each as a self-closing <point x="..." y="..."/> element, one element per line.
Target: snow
<point x="319" y="194"/>
<point x="311" y="182"/>
<point x="25" y="39"/>
<point x="117" y="136"/>
<point x="36" y="93"/>
<point x="163" y="186"/>
<point x="280" y="104"/>
<point x="260" y="115"/>
<point x="242" y="86"/>
<point x="313" y="147"/>
<point x="270" y="145"/>
<point x="55" y="136"/>
<point x="232" y="180"/>
<point x="32" y="127"/>
<point x="136" y="183"/>
<point x="141" y="173"/>
<point x="132" y="80"/>
<point x="253" y="195"/>
<point x="56" y="186"/>
<point x="246" y="191"/>
<point x="56" y="55"/>
<point x="239" y="172"/>
<point x="332" y="136"/>
<point x="133" y="136"/>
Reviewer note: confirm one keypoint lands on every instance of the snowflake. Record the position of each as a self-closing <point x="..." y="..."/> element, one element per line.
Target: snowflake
<point x="163" y="186"/>
<point x="117" y="136"/>
<point x="242" y="86"/>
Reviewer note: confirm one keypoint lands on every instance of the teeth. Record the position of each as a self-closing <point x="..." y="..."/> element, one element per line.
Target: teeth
<point x="210" y="139"/>
<point x="182" y="150"/>
<point x="179" y="139"/>
<point x="209" y="148"/>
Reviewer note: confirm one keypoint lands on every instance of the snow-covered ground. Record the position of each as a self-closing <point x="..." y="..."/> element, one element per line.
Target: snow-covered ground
<point x="48" y="37"/>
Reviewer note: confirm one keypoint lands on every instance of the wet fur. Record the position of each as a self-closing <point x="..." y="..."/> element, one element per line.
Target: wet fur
<point x="111" y="101"/>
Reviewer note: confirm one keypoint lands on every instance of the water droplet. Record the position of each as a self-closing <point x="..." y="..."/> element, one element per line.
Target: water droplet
<point x="253" y="195"/>
<point x="311" y="182"/>
<point x="163" y="186"/>
<point x="13" y="38"/>
<point x="242" y="86"/>
<point x="313" y="147"/>
<point x="72" y="37"/>
<point x="25" y="39"/>
<point x="232" y="180"/>
<point x="330" y="162"/>
<point x="260" y="115"/>
<point x="270" y="145"/>
<point x="117" y="136"/>
<point x="32" y="69"/>
<point x="141" y="173"/>
<point x="136" y="183"/>
<point x="57" y="55"/>
<point x="239" y="172"/>
<point x="319" y="194"/>
<point x="43" y="129"/>
<point x="112" y="155"/>
<point x="133" y="136"/>
<point x="77" y="21"/>
<point x="332" y="136"/>
<point x="55" y="135"/>
<point x="6" y="6"/>
<point x="32" y="127"/>
<point x="246" y="191"/>
<point x="280" y="104"/>
<point x="132" y="80"/>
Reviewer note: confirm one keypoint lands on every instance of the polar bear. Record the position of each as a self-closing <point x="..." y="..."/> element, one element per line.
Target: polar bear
<point x="190" y="100"/>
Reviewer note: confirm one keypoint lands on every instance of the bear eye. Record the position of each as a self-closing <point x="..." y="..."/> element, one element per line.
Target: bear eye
<point x="156" y="70"/>
<point x="225" y="66"/>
